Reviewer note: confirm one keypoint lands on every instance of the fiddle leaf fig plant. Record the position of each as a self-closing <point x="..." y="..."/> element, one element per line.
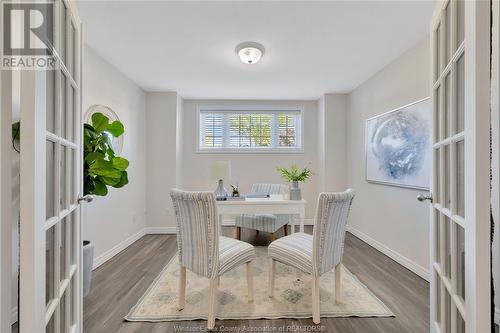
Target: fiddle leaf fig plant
<point x="101" y="166"/>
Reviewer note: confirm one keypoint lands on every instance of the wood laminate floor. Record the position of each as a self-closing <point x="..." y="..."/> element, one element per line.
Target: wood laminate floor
<point x="119" y="283"/>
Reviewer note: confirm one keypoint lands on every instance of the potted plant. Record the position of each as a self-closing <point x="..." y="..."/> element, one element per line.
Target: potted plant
<point x="295" y="175"/>
<point x="101" y="168"/>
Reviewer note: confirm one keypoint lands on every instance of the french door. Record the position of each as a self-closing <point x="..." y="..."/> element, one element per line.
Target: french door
<point x="51" y="159"/>
<point x="460" y="233"/>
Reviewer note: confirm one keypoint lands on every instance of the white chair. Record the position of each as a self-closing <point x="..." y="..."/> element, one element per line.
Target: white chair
<point x="264" y="222"/>
<point x="202" y="250"/>
<point x="318" y="253"/>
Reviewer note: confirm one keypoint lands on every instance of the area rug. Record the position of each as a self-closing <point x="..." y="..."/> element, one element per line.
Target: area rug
<point x="292" y="297"/>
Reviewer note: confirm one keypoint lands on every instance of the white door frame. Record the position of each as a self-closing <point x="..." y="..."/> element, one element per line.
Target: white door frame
<point x="477" y="166"/>
<point x="5" y="200"/>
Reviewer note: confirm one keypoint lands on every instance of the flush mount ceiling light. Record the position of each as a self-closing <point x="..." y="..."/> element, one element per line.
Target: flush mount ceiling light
<point x="250" y="52"/>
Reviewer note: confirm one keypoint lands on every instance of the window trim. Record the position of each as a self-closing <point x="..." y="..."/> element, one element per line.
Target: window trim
<point x="246" y="109"/>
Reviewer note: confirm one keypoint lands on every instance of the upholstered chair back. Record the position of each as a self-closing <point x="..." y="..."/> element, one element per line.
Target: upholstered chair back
<point x="269" y="188"/>
<point x="329" y="229"/>
<point x="197" y="231"/>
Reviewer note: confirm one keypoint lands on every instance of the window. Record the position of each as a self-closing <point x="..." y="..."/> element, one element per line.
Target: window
<point x="249" y="130"/>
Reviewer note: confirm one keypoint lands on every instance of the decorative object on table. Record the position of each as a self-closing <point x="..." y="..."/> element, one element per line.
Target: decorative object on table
<point x="398" y="146"/>
<point x="295" y="175"/>
<point x="116" y="141"/>
<point x="263" y="222"/>
<point x="221" y="170"/>
<point x="236" y="191"/>
<point x="293" y="295"/>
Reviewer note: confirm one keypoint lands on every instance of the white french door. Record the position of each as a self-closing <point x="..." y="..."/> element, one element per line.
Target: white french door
<point x="460" y="233"/>
<point x="51" y="159"/>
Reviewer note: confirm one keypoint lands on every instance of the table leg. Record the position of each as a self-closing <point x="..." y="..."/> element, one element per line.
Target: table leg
<point x="302" y="217"/>
<point x="292" y="225"/>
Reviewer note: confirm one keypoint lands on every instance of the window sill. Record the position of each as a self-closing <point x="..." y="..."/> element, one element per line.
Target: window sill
<point x="250" y="151"/>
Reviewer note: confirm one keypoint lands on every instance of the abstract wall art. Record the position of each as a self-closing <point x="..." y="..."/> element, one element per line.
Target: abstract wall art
<point x="398" y="146"/>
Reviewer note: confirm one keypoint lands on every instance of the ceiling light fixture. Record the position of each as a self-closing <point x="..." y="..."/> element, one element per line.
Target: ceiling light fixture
<point x="250" y="52"/>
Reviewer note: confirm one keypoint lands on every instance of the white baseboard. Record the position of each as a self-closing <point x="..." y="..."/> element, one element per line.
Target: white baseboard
<point x="13" y="316"/>
<point x="404" y="261"/>
<point x="129" y="241"/>
<point x="160" y="230"/>
<point x="117" y="249"/>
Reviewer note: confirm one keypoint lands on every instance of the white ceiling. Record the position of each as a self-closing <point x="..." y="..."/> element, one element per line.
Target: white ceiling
<point x="311" y="47"/>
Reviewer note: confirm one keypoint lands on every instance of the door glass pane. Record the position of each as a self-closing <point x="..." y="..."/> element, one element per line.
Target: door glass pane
<point x="460" y="181"/>
<point x="74" y="51"/>
<point x="63" y="201"/>
<point x="438" y="297"/>
<point x="63" y="318"/>
<point x="447" y="254"/>
<point x="437" y="176"/>
<point x="460" y="117"/>
<point x="460" y="274"/>
<point x="438" y="51"/>
<point x="448" y="32"/>
<point x="437" y="232"/>
<point x="72" y="177"/>
<point x="446" y="190"/>
<point x="50" y="180"/>
<point x="63" y="32"/>
<point x="460" y="21"/>
<point x="437" y="120"/>
<point x="447" y="313"/>
<point x="69" y="117"/>
<point x="73" y="231"/>
<point x="62" y="249"/>
<point x="64" y="111"/>
<point x="447" y="106"/>
<point x="50" y="328"/>
<point x="50" y="239"/>
<point x="51" y="110"/>
<point x="460" y="323"/>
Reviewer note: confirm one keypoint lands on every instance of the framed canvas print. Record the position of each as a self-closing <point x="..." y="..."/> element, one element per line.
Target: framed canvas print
<point x="398" y="146"/>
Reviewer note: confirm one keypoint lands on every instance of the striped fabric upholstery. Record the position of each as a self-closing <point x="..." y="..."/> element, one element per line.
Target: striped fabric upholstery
<point x="321" y="252"/>
<point x="200" y="249"/>
<point x="233" y="253"/>
<point x="295" y="250"/>
<point x="264" y="222"/>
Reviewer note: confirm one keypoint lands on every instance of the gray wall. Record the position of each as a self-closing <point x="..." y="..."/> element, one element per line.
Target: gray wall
<point x="121" y="214"/>
<point x="389" y="215"/>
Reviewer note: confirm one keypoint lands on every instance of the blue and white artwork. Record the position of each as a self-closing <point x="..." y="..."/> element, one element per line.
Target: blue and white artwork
<point x="398" y="146"/>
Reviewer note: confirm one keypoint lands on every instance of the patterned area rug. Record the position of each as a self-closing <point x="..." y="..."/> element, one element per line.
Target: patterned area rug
<point x="292" y="297"/>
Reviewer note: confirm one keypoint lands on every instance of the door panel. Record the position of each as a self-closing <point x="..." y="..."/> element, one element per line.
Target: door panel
<point x="53" y="234"/>
<point x="459" y="257"/>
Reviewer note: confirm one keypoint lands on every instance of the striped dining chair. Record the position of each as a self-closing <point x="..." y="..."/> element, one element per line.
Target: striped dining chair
<point x="318" y="253"/>
<point x="202" y="250"/>
<point x="264" y="222"/>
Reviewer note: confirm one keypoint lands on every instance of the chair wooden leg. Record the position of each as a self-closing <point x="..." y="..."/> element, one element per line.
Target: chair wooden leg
<point x="272" y="268"/>
<point x="273" y="236"/>
<point x="218" y="281"/>
<point x="250" y="281"/>
<point x="256" y="232"/>
<point x="238" y="233"/>
<point x="338" y="283"/>
<point x="315" y="300"/>
<point x="182" y="288"/>
<point x="211" y="304"/>
<point x="285" y="230"/>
